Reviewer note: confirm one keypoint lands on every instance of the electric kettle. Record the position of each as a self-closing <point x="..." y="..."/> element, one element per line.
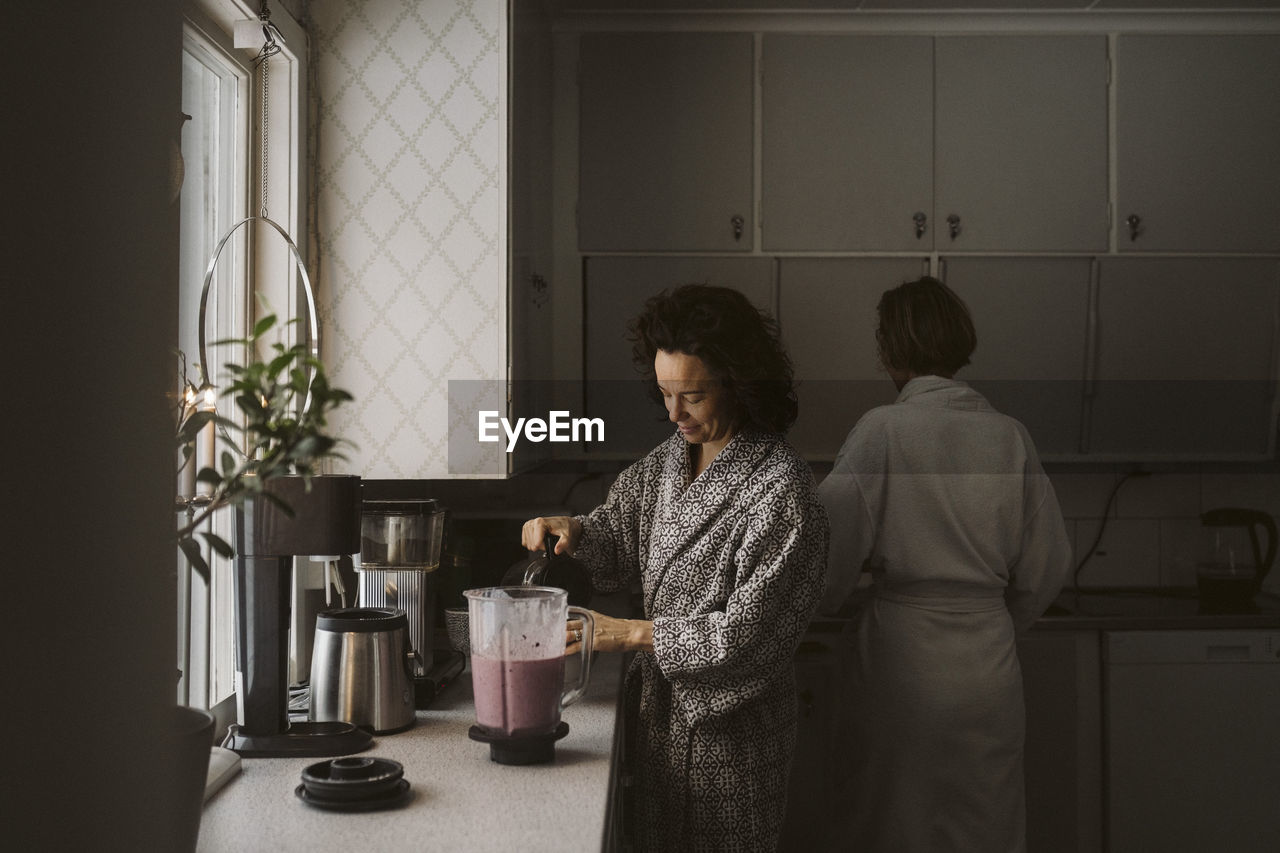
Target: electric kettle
<point x="1234" y="562"/>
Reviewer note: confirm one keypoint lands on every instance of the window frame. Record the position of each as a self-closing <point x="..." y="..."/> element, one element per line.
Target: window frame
<point x="255" y="275"/>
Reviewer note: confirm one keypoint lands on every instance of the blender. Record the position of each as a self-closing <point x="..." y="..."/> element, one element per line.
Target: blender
<point x="517" y="669"/>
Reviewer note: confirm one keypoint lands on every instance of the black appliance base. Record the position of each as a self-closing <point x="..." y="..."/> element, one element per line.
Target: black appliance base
<point x="299" y="740"/>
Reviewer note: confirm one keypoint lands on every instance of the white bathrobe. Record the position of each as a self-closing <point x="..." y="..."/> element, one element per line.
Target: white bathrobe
<point x="732" y="566"/>
<point x="944" y="501"/>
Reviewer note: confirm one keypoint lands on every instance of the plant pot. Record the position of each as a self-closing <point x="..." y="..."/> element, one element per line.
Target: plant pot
<point x="190" y="741"/>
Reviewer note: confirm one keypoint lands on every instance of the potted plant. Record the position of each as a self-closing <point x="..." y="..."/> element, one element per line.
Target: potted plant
<point x="285" y="400"/>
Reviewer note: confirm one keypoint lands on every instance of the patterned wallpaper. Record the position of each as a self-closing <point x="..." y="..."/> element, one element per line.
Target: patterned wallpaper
<point x="410" y="148"/>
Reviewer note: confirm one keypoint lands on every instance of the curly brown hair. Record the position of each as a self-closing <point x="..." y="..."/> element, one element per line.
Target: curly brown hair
<point x="737" y="342"/>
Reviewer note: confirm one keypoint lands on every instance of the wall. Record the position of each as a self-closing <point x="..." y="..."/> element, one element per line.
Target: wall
<point x="88" y="321"/>
<point x="411" y="162"/>
<point x="1153" y="535"/>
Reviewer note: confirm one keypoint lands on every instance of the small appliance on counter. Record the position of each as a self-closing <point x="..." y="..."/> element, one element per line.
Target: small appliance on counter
<point x="1234" y="563"/>
<point x="362" y="669"/>
<point x="324" y="518"/>
<point x="399" y="558"/>
<point x="551" y="569"/>
<point x="518" y="669"/>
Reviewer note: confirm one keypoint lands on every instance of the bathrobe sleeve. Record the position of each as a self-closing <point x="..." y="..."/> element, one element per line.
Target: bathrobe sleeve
<point x="853" y="525"/>
<point x="1045" y="560"/>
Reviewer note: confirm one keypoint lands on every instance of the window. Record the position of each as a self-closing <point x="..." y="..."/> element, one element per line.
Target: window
<point x="222" y="149"/>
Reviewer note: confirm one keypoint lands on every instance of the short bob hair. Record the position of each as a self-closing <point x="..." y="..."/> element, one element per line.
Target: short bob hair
<point x="737" y="342"/>
<point x="924" y="328"/>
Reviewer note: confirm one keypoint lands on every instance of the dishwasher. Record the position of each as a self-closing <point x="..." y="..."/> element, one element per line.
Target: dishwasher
<point x="1192" y="734"/>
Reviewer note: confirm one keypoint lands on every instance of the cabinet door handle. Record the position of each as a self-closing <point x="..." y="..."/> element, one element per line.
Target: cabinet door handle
<point x="1134" y="221"/>
<point x="738" y="224"/>
<point x="953" y="225"/>
<point x="922" y="224"/>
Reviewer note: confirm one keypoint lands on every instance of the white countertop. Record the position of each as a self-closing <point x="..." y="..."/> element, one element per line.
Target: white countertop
<point x="459" y="799"/>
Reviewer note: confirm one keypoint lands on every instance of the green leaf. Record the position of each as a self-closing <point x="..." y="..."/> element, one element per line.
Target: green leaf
<point x="217" y="543"/>
<point x="192" y="550"/>
<point x="210" y="476"/>
<point x="264" y="325"/>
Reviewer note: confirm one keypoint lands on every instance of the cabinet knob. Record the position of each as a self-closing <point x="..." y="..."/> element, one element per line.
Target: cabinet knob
<point x="1134" y="221"/>
<point x="953" y="225"/>
<point x="922" y="224"/>
<point x="738" y="224"/>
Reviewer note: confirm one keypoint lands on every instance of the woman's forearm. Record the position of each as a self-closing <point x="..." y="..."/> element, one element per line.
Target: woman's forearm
<point x="614" y="635"/>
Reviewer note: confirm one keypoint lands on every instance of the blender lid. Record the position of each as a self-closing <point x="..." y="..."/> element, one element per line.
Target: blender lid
<point x="354" y="784"/>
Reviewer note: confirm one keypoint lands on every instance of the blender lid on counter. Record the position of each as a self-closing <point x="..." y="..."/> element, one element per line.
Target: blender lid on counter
<point x="354" y="784"/>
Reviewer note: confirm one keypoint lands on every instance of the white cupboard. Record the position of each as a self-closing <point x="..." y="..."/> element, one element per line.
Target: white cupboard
<point x="1185" y="359"/>
<point x="827" y="311"/>
<point x="911" y="143"/>
<point x="1197" y="136"/>
<point x="1021" y="143"/>
<point x="665" y="141"/>
<point x="847" y="142"/>
<point x="1031" y="317"/>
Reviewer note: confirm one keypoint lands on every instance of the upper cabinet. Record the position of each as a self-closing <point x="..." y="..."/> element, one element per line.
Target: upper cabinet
<point x="1197" y="130"/>
<point x="1185" y="357"/>
<point x="1031" y="316"/>
<point x="666" y="127"/>
<point x="1021" y="143"/>
<point x="959" y="143"/>
<point x="847" y="144"/>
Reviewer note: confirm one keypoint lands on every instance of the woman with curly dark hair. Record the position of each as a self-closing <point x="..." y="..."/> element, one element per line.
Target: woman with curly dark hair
<point x="721" y="526"/>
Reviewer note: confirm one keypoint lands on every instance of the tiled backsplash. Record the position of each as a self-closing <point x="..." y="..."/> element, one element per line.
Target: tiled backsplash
<point x="1152" y="539"/>
<point x="1153" y="536"/>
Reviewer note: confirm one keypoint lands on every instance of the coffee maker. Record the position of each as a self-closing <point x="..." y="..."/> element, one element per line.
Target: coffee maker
<point x="323" y="518"/>
<point x="398" y="565"/>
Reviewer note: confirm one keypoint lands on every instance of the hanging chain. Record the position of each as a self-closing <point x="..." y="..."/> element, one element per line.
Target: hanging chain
<point x="262" y="70"/>
<point x="270" y="47"/>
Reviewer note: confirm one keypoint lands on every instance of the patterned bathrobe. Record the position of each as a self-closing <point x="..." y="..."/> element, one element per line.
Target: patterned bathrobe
<point x="732" y="567"/>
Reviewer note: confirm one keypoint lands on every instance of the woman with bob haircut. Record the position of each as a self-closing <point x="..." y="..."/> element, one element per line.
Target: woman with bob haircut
<point x="944" y="502"/>
<point x="721" y="526"/>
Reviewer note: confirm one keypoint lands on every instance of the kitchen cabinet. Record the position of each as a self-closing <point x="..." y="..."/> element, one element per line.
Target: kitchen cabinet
<point x="1020" y="156"/>
<point x="1193" y="752"/>
<point x="820" y="762"/>
<point x="847" y="142"/>
<point x="1031" y="318"/>
<point x="1197" y="119"/>
<point x="827" y="313"/>
<point x="1185" y="359"/>
<point x="666" y="129"/>
<point x="900" y="143"/>
<point x="1062" y="762"/>
<point x="615" y="291"/>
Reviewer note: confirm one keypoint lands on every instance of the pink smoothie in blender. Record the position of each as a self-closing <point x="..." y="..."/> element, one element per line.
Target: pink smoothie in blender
<point x="517" y="669"/>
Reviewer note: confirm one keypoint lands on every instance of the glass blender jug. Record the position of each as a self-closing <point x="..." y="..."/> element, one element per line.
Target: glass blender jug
<point x="518" y="671"/>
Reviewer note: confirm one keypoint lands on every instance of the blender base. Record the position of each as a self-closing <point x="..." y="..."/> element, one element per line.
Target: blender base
<point x="529" y="749"/>
<point x="311" y="739"/>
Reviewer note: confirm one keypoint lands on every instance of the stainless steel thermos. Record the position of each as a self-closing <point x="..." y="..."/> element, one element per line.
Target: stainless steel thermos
<point x="362" y="669"/>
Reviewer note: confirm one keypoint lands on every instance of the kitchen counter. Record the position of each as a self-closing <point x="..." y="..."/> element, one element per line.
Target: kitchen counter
<point x="459" y="800"/>
<point x="1151" y="610"/>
